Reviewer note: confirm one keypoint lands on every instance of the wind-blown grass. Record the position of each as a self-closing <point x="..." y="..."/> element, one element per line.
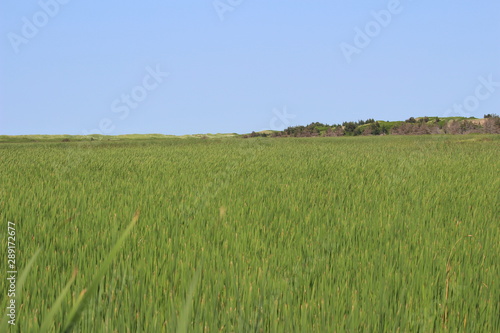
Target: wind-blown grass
<point x="297" y="234"/>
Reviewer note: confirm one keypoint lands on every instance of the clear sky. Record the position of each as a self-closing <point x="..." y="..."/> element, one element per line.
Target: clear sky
<point x="186" y="67"/>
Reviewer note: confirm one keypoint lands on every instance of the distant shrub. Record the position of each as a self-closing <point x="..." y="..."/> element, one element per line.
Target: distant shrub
<point x="492" y="125"/>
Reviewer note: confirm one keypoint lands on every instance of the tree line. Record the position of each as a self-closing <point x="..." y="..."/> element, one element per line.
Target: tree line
<point x="411" y="126"/>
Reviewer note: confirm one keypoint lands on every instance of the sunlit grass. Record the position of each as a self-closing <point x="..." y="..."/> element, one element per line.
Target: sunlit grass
<point x="312" y="234"/>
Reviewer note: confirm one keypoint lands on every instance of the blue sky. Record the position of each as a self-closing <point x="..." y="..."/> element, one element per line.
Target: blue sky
<point x="185" y="67"/>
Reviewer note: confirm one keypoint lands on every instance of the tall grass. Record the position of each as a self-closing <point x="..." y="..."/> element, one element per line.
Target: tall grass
<point x="311" y="234"/>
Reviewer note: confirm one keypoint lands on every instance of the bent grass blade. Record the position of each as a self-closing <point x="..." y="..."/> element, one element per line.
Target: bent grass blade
<point x="183" y="324"/>
<point x="82" y="302"/>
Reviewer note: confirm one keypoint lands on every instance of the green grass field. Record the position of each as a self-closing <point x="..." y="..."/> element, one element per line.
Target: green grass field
<point x="364" y="234"/>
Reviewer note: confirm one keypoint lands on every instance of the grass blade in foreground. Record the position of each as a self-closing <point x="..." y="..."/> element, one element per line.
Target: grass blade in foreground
<point x="46" y="325"/>
<point x="78" y="308"/>
<point x="183" y="324"/>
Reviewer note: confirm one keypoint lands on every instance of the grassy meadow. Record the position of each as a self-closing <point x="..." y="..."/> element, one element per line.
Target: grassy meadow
<point x="348" y="234"/>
